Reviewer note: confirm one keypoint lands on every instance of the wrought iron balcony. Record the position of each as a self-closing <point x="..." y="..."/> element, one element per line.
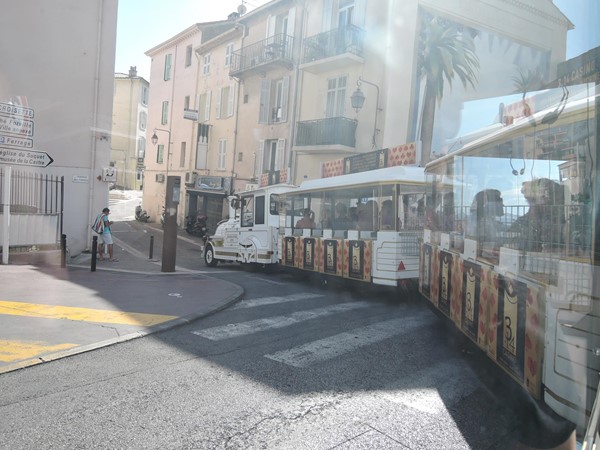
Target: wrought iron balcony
<point x="275" y="50"/>
<point x="347" y="41"/>
<point x="330" y="131"/>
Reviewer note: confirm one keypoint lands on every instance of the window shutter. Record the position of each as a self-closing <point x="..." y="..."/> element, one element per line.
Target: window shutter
<point x="265" y="93"/>
<point x="271" y="26"/>
<point x="258" y="164"/>
<point x="327" y="13"/>
<point x="291" y="20"/>
<point x="360" y="7"/>
<point x="219" y="100"/>
<point x="207" y="106"/>
<point x="284" y="98"/>
<point x="230" y="100"/>
<point x="280" y="156"/>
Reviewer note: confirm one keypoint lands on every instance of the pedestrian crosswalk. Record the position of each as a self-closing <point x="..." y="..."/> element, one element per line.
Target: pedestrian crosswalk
<point x="320" y="350"/>
<point x="333" y="346"/>
<point x="430" y="388"/>
<point x="245" y="328"/>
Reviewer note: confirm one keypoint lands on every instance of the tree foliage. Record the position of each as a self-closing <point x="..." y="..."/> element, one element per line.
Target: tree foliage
<point x="446" y="51"/>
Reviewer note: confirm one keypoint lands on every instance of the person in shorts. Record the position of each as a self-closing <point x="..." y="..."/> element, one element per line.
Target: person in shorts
<point x="106" y="238"/>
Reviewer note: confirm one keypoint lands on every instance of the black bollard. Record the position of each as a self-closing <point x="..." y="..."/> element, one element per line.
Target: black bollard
<point x="63" y="251"/>
<point x="94" y="252"/>
<point x="151" y="247"/>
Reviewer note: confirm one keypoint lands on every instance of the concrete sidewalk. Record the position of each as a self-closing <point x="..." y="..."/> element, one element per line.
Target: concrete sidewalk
<point x="47" y="313"/>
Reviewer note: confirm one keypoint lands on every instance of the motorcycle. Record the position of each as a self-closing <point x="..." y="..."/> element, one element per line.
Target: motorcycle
<point x="141" y="215"/>
<point x="196" y="225"/>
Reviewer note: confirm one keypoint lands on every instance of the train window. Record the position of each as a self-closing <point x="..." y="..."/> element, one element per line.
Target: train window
<point x="247" y="212"/>
<point x="259" y="210"/>
<point x="274" y="205"/>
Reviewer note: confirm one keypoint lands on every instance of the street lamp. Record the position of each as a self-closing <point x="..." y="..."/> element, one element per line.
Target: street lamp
<point x="154" y="140"/>
<point x="172" y="193"/>
<point x="357" y="100"/>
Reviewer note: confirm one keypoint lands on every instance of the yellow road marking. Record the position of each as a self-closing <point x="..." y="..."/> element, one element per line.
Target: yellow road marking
<point x="17" y="350"/>
<point x="81" y="314"/>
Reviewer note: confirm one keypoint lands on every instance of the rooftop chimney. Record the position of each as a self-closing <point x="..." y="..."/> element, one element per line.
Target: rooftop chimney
<point x="132" y="71"/>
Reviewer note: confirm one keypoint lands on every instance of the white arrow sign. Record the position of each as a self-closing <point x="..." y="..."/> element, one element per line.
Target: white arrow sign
<point x="32" y="158"/>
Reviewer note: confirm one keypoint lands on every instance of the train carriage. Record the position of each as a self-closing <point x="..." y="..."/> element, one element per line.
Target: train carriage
<point x="364" y="226"/>
<point x="511" y="255"/>
<point x="250" y="235"/>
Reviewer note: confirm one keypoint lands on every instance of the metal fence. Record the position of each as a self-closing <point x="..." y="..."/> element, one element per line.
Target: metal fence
<point x="36" y="206"/>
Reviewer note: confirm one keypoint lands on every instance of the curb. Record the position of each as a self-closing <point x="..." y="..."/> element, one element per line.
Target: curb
<point x="234" y="298"/>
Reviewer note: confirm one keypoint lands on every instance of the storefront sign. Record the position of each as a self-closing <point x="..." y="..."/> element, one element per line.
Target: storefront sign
<point x="366" y="161"/>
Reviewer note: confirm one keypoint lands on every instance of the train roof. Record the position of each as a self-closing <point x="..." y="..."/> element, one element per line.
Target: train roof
<point x="270" y="189"/>
<point x="396" y="174"/>
<point x="536" y="121"/>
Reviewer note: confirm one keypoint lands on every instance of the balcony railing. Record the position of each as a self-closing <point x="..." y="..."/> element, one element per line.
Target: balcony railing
<point x="276" y="49"/>
<point x="330" y="131"/>
<point x="348" y="39"/>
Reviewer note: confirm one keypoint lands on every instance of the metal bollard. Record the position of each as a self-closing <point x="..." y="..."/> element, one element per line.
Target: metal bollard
<point x="63" y="251"/>
<point x="151" y="247"/>
<point x="94" y="252"/>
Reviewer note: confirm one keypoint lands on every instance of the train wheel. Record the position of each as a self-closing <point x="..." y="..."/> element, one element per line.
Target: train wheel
<point x="209" y="256"/>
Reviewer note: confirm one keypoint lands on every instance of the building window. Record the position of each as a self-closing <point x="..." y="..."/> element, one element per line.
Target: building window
<point x="188" y="56"/>
<point x="240" y="156"/>
<point x="165" y="113"/>
<point x="182" y="155"/>
<point x="206" y="65"/>
<point x="345" y="13"/>
<point x="186" y="102"/>
<point x="143" y="120"/>
<point x="141" y="150"/>
<point x="273" y="154"/>
<point x="168" y="62"/>
<point x="225" y="105"/>
<point x="204" y="107"/>
<point x="222" y="154"/>
<point x="144" y="96"/>
<point x="228" y="54"/>
<point x="274" y="100"/>
<point x="336" y="96"/>
<point x="160" y="152"/>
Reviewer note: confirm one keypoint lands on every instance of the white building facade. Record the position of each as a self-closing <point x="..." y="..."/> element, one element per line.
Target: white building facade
<point x="70" y="94"/>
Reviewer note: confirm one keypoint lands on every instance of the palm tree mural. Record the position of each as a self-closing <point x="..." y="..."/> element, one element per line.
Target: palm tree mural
<point x="524" y="82"/>
<point x="444" y="52"/>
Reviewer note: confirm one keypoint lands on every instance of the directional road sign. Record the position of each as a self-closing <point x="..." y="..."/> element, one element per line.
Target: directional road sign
<point x="32" y="158"/>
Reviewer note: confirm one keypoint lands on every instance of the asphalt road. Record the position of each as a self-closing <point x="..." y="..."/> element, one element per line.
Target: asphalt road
<point x="290" y="366"/>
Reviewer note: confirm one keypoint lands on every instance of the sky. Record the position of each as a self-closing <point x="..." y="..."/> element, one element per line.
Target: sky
<point x="143" y="25"/>
<point x="141" y="28"/>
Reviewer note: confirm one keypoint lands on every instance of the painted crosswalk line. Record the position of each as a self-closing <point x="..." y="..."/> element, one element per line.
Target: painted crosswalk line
<point x="339" y="344"/>
<point x="11" y="351"/>
<point x="81" y="314"/>
<point x="274" y="300"/>
<point x="254" y="326"/>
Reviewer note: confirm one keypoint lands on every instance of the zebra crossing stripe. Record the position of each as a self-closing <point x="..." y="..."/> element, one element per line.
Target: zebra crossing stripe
<point x="234" y="330"/>
<point x="273" y="300"/>
<point x="333" y="346"/>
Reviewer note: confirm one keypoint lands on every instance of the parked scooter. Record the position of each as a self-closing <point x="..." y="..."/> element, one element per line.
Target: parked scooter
<point x="141" y="215"/>
<point x="196" y="225"/>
